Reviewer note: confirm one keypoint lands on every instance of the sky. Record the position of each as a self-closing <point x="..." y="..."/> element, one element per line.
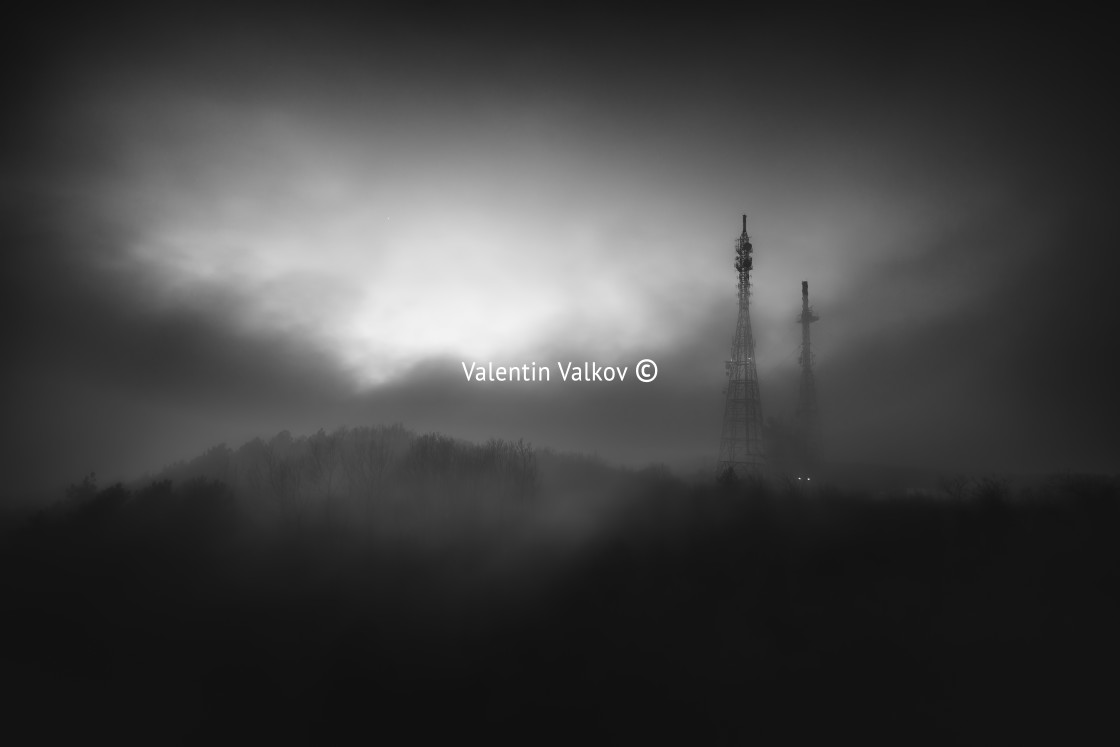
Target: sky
<point x="219" y="224"/>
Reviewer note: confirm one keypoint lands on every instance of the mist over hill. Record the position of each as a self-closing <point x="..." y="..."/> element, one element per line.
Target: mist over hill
<point x="375" y="581"/>
<point x="224" y="220"/>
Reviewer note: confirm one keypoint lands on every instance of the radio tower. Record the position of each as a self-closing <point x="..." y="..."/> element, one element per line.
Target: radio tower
<point x="740" y="448"/>
<point x="807" y="397"/>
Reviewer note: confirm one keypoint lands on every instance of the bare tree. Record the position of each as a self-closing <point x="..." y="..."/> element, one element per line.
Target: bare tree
<point x="322" y="459"/>
<point x="285" y="473"/>
<point x="954" y="486"/>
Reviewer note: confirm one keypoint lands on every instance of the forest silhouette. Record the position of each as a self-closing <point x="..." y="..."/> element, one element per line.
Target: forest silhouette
<point x="379" y="582"/>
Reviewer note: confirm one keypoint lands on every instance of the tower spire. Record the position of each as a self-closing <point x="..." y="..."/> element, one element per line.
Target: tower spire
<point x="807" y="435"/>
<point x="740" y="448"/>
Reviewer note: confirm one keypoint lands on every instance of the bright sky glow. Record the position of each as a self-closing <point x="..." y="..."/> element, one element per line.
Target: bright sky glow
<point x="388" y="268"/>
<point x="487" y="232"/>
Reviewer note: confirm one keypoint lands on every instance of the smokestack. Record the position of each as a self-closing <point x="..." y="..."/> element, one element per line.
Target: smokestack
<point x="744" y="223"/>
<point x="804" y="288"/>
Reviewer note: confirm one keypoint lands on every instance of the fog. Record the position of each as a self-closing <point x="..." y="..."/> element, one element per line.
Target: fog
<point x="224" y="225"/>
<point x="249" y="487"/>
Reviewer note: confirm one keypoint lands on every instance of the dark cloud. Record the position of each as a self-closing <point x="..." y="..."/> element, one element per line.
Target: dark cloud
<point x="99" y="377"/>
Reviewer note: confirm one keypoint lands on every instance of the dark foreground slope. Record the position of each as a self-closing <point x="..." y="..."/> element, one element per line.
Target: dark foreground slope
<point x="697" y="615"/>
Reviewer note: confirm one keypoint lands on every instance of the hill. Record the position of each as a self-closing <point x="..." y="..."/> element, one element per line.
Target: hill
<point x="491" y="591"/>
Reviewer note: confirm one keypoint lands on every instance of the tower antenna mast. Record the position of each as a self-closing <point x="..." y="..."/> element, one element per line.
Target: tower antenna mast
<point x="807" y="435"/>
<point x="741" y="446"/>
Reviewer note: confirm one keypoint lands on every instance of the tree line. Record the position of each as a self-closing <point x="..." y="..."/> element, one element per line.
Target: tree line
<point x="367" y="469"/>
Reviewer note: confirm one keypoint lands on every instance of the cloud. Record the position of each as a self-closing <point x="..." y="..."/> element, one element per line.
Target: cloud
<point x="219" y="228"/>
<point x="97" y="367"/>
